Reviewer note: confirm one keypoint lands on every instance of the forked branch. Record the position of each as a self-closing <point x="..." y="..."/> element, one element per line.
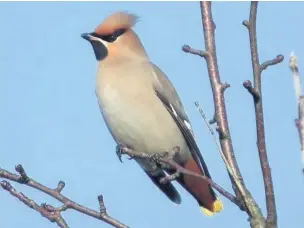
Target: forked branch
<point x="51" y="213"/>
<point x="218" y="89"/>
<point x="242" y="194"/>
<point x="166" y="159"/>
<point x="256" y="92"/>
<point x="253" y="210"/>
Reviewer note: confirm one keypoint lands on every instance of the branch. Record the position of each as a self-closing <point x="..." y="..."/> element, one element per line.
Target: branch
<point x="256" y="93"/>
<point x="300" y="101"/>
<point x="167" y="159"/>
<point x="248" y="85"/>
<point x="271" y="62"/>
<point x="218" y="89"/>
<point x="229" y="169"/>
<point x="188" y="49"/>
<point x="51" y="213"/>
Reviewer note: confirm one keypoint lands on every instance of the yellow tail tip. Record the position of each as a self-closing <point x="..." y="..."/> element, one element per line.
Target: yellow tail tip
<point x="217" y="207"/>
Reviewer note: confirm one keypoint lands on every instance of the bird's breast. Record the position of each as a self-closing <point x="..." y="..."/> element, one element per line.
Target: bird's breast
<point x="136" y="117"/>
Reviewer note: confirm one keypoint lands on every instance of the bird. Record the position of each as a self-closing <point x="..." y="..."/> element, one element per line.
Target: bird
<point x="143" y="111"/>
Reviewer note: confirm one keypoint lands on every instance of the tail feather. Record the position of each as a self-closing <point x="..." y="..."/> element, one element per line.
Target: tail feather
<point x="217" y="207"/>
<point x="168" y="188"/>
<point x="200" y="189"/>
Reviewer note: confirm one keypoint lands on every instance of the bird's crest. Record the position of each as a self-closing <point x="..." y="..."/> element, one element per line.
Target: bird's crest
<point x="119" y="20"/>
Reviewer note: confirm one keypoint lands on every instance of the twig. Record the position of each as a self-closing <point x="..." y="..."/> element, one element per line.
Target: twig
<point x="212" y="133"/>
<point x="51" y="213"/>
<point x="242" y="194"/>
<point x="218" y="96"/>
<point x="248" y="85"/>
<point x="300" y="101"/>
<point x="218" y="88"/>
<point x="271" y="220"/>
<point x="165" y="159"/>
<point x="230" y="171"/>
<point x="271" y="62"/>
<point x="169" y="178"/>
<point x="188" y="49"/>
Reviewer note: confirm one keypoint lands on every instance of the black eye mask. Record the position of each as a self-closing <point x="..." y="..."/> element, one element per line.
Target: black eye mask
<point x="110" y="37"/>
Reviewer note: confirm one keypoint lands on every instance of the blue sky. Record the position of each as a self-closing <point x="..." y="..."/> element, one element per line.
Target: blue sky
<point x="50" y="120"/>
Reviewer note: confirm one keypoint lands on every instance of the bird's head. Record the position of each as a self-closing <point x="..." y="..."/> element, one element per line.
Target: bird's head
<point x="114" y="38"/>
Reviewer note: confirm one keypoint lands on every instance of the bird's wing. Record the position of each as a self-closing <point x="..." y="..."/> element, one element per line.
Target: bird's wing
<point x="167" y="94"/>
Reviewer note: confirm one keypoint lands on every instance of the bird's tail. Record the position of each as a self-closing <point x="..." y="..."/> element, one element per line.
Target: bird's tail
<point x="200" y="190"/>
<point x="217" y="207"/>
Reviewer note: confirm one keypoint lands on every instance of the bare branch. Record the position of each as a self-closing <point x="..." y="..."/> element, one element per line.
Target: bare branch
<point x="256" y="92"/>
<point x="102" y="207"/>
<point x="51" y="213"/>
<point x="240" y="189"/>
<point x="60" y="186"/>
<point x="169" y="178"/>
<point x="24" y="177"/>
<point x="300" y="101"/>
<point x="230" y="171"/>
<point x="272" y="62"/>
<point x="166" y="159"/>
<point x="218" y="92"/>
<point x="188" y="49"/>
<point x="242" y="194"/>
<point x="215" y="140"/>
<point x="248" y="85"/>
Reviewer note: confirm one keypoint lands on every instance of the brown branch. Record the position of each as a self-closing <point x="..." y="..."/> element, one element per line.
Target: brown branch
<point x="271" y="62"/>
<point x="300" y="101"/>
<point x="218" y="92"/>
<point x="248" y="85"/>
<point x="255" y="215"/>
<point x="271" y="220"/>
<point x="229" y="169"/>
<point x="169" y="178"/>
<point x="51" y="213"/>
<point x="188" y="49"/>
<point x="166" y="159"/>
<point x="218" y="96"/>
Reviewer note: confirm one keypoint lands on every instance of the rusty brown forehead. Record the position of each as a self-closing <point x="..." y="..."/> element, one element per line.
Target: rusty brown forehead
<point x="115" y="22"/>
<point x="105" y="30"/>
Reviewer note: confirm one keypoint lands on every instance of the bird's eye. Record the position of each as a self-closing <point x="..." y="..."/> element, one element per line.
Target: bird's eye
<point x="119" y="32"/>
<point x="110" y="38"/>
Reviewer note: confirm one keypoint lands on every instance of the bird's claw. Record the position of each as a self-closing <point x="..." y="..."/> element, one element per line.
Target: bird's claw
<point x="131" y="157"/>
<point x="118" y="152"/>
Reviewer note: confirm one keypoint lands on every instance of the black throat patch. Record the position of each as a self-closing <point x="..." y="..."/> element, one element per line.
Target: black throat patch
<point x="99" y="49"/>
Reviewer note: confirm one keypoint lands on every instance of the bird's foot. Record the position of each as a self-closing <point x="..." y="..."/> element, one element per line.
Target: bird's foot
<point x="157" y="157"/>
<point x="119" y="151"/>
<point x="122" y="149"/>
<point x="131" y="157"/>
<point x="175" y="150"/>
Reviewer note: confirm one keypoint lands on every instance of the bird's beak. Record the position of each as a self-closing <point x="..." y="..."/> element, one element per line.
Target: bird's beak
<point x="98" y="45"/>
<point x="86" y="36"/>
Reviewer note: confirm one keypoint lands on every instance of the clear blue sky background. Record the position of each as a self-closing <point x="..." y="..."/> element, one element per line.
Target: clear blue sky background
<point x="50" y="121"/>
